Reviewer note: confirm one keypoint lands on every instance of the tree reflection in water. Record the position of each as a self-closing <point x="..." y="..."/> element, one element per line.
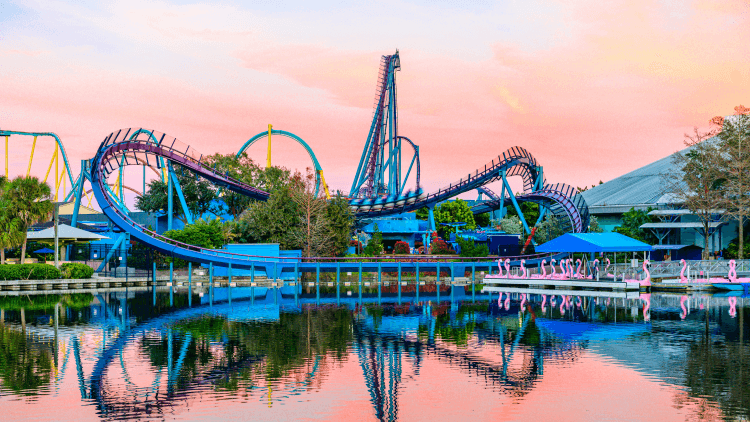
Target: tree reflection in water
<point x="26" y="364"/>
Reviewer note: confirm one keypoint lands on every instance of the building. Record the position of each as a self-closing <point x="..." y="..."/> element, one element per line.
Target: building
<point x="645" y="188"/>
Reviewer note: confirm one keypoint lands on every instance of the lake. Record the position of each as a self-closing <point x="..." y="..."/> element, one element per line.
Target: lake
<point x="117" y="356"/>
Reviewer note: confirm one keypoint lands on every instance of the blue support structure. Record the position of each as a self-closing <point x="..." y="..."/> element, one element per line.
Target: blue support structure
<point x="515" y="204"/>
<point x="170" y="205"/>
<point x="190" y="284"/>
<point x="229" y="274"/>
<point x="180" y="195"/>
<point x="111" y="252"/>
<point x="171" y="284"/>
<point x="211" y="284"/>
<point x="153" y="282"/>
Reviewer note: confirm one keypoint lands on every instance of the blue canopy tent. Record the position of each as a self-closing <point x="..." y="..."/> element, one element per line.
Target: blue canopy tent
<point x="593" y="242"/>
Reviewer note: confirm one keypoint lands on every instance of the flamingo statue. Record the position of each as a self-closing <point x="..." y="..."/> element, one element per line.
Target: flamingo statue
<point x="647" y="280"/>
<point x="544" y="268"/>
<point x="579" y="302"/>
<point x="562" y="269"/>
<point x="523" y="301"/>
<point x="562" y="306"/>
<point x="595" y="265"/>
<point x="500" y="300"/>
<point x="578" y="269"/>
<point x="605" y="270"/>
<point x="570" y="268"/>
<point x="733" y="273"/>
<point x="554" y="271"/>
<point x="507" y="301"/>
<point x="553" y="301"/>
<point x="544" y="303"/>
<point x="523" y="269"/>
<point x="684" y="279"/>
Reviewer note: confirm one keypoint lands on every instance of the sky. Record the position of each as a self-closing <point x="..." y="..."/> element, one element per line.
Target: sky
<point x="592" y="89"/>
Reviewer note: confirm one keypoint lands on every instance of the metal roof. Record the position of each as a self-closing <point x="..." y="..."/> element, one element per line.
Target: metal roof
<point x="641" y="188"/>
<point x="593" y="242"/>
<point x="64" y="231"/>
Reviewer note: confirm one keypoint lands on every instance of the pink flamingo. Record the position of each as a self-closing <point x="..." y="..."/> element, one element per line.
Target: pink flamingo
<point x="544" y="270"/>
<point x="578" y="269"/>
<point x="605" y="270"/>
<point x="500" y="267"/>
<point x="684" y="312"/>
<point x="733" y="273"/>
<point x="554" y="271"/>
<point x="507" y="301"/>
<point x="523" y="269"/>
<point x="500" y="300"/>
<point x="544" y="303"/>
<point x="684" y="279"/>
<point x="523" y="301"/>
<point x="732" y="306"/>
<point x="563" y="271"/>
<point x="647" y="280"/>
<point x="562" y="306"/>
<point x="579" y="302"/>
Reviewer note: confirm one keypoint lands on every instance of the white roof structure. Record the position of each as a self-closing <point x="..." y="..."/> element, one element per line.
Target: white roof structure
<point x="64" y="232"/>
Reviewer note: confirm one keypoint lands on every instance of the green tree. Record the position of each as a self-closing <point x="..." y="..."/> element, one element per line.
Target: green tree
<point x="340" y="222"/>
<point x="199" y="196"/>
<point x="29" y="200"/>
<point x="700" y="185"/>
<point x="734" y="143"/>
<point x="594" y="225"/>
<point x="632" y="220"/>
<point x="206" y="234"/>
<point x="530" y="212"/>
<point x="511" y="225"/>
<point x="470" y="249"/>
<point x="273" y="221"/>
<point x="315" y="235"/>
<point x="550" y="228"/>
<point x="11" y="233"/>
<point x="457" y="211"/>
<point x="375" y="244"/>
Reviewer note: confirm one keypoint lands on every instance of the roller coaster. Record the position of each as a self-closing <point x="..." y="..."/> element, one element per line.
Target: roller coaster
<point x="388" y="163"/>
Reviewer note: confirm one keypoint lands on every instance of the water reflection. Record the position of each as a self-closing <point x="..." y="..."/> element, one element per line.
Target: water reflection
<point x="133" y="360"/>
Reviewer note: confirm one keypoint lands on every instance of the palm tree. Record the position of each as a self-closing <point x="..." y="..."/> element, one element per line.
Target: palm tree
<point x="11" y="234"/>
<point x="29" y="200"/>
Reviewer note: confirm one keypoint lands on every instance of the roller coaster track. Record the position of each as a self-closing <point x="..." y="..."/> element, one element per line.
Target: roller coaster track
<point x="562" y="200"/>
<point x="123" y="148"/>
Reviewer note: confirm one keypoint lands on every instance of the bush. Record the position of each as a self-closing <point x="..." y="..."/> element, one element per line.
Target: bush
<point x="471" y="249"/>
<point x="76" y="270"/>
<point x="439" y="247"/>
<point x="401" y="248"/>
<point x="29" y="272"/>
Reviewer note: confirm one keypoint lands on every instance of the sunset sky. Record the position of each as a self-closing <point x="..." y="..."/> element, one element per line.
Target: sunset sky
<point x="593" y="89"/>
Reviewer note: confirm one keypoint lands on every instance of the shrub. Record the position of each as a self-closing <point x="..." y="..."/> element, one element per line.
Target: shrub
<point x="439" y="247"/>
<point x="471" y="249"/>
<point x="401" y="248"/>
<point x="29" y="272"/>
<point x="76" y="270"/>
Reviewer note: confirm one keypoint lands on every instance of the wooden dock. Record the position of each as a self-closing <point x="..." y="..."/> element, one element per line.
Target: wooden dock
<point x="573" y="285"/>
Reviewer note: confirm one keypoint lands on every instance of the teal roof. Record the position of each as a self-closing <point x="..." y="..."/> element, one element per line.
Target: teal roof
<point x="593" y="242"/>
